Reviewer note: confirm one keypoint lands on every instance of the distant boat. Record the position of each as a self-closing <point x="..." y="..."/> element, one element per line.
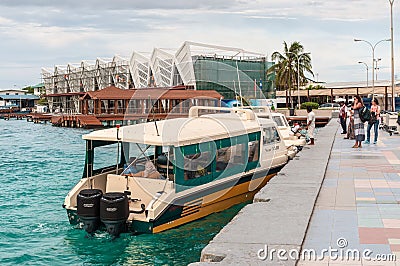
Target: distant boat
<point x="175" y="171"/>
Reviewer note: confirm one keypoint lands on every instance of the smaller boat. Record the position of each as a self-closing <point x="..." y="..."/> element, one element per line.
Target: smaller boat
<point x="293" y="143"/>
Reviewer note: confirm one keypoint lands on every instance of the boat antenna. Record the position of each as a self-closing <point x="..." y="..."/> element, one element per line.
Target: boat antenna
<point x="152" y="110"/>
<point x="240" y="89"/>
<point x="118" y="139"/>
<point x="234" y="86"/>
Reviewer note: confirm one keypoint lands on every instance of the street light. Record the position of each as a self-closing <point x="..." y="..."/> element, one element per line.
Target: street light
<point x="373" y="60"/>
<point x="367" y="70"/>
<point x="392" y="53"/>
<point x="377" y="68"/>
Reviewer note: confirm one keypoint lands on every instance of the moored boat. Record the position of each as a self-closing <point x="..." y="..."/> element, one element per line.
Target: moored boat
<point x="174" y="171"/>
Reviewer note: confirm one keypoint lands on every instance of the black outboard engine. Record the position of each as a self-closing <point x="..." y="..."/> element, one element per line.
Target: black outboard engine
<point x="114" y="211"/>
<point x="89" y="208"/>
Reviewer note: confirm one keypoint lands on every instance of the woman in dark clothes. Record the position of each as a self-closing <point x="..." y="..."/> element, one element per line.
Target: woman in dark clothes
<point x="359" y="131"/>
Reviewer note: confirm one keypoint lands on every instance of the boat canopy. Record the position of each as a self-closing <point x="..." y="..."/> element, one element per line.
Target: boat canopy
<point x="183" y="131"/>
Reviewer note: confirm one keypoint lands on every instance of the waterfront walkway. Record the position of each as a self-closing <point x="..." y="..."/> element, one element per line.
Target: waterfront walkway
<point x="358" y="205"/>
<point x="280" y="214"/>
<point x="333" y="197"/>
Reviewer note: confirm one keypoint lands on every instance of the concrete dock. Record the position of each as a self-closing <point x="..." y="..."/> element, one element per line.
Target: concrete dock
<point x="281" y="211"/>
<point x="332" y="197"/>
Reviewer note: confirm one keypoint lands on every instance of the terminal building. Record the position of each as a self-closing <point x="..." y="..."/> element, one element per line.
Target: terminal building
<point x="229" y="71"/>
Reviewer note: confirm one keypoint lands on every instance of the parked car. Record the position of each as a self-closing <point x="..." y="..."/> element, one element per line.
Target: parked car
<point x="334" y="106"/>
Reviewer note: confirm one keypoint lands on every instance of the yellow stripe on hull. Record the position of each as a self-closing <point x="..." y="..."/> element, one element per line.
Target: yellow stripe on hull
<point x="217" y="202"/>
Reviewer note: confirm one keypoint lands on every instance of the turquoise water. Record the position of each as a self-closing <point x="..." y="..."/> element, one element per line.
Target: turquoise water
<point x="39" y="164"/>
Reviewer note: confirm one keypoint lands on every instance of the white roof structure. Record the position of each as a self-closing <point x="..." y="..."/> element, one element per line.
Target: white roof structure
<point x="183" y="131"/>
<point x="161" y="65"/>
<point x="165" y="67"/>
<point x="139" y="66"/>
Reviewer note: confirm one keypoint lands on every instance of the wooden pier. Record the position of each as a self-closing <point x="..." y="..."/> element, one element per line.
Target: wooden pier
<point x="18" y="116"/>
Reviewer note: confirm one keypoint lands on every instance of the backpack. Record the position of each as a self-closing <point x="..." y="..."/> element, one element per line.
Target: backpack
<point x="373" y="118"/>
<point x="365" y="114"/>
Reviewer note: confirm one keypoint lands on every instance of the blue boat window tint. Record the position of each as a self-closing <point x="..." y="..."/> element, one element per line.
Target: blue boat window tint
<point x="276" y="135"/>
<point x="105" y="156"/>
<point x="278" y="121"/>
<point x="222" y="158"/>
<point x="268" y="137"/>
<point x="271" y="135"/>
<point x="197" y="165"/>
<point x="254" y="151"/>
<point x="202" y="163"/>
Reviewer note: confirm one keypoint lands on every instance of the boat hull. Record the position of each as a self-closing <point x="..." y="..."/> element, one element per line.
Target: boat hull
<point x="199" y="204"/>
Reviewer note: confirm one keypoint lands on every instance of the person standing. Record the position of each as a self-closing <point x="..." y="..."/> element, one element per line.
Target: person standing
<point x="310" y="124"/>
<point x="342" y="117"/>
<point x="359" y="130"/>
<point x="374" y="121"/>
<point x="350" y="124"/>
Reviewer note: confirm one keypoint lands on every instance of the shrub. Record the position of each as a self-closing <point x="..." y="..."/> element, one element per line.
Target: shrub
<point x="312" y="104"/>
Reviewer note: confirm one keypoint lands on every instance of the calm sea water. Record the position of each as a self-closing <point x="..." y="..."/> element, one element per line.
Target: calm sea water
<point x="39" y="164"/>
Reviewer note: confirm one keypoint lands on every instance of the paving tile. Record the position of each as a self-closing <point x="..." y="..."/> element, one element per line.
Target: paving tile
<point x="372" y="235"/>
<point x="361" y="194"/>
<point x="394" y="241"/>
<point x="395" y="247"/>
<point x="370" y="222"/>
<point x="392" y="233"/>
<point x="365" y="207"/>
<point x="385" y="199"/>
<point x="391" y="223"/>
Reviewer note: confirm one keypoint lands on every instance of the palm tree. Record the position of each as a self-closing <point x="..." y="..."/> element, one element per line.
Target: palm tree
<point x="287" y="67"/>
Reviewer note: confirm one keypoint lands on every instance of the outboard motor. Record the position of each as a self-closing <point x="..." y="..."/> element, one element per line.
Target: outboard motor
<point x="114" y="211"/>
<point x="89" y="208"/>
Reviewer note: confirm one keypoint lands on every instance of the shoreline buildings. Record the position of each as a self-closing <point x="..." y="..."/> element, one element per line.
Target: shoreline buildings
<point x="196" y="66"/>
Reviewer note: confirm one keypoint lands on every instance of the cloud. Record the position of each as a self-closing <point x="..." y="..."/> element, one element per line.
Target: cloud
<point x="46" y="32"/>
<point x="120" y="4"/>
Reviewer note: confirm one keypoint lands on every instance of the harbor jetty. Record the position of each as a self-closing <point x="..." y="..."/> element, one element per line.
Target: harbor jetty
<point x="280" y="213"/>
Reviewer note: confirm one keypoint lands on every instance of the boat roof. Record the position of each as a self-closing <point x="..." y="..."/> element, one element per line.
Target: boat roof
<point x="182" y="131"/>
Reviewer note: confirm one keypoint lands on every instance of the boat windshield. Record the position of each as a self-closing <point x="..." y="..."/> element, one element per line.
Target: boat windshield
<point x="278" y="121"/>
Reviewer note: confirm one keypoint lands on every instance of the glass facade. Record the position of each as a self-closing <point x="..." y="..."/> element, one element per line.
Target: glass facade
<point x="227" y="76"/>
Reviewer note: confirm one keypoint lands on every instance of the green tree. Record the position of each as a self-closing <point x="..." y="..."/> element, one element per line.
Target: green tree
<point x="293" y="60"/>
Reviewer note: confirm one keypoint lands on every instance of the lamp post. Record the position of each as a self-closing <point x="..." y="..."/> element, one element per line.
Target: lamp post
<point x="373" y="60"/>
<point x="367" y="70"/>
<point x="377" y="68"/>
<point x="392" y="53"/>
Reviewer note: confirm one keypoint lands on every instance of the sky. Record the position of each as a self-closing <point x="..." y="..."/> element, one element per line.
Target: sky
<point x="45" y="33"/>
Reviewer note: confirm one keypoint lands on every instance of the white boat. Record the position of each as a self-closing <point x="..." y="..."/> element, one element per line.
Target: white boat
<point x="204" y="164"/>
<point x="293" y="143"/>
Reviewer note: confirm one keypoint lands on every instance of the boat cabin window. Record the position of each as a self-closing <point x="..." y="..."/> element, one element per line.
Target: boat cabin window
<point x="105" y="157"/>
<point x="254" y="151"/>
<point x="230" y="157"/>
<point x="102" y="157"/>
<point x="199" y="164"/>
<point x="285" y="121"/>
<point x="278" y="121"/>
<point x="141" y="158"/>
<point x="271" y="135"/>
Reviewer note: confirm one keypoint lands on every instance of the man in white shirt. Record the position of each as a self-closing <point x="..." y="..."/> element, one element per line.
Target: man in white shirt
<point x="310" y="124"/>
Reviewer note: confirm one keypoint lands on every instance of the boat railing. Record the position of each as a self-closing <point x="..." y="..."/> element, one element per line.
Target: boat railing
<point x="194" y="111"/>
